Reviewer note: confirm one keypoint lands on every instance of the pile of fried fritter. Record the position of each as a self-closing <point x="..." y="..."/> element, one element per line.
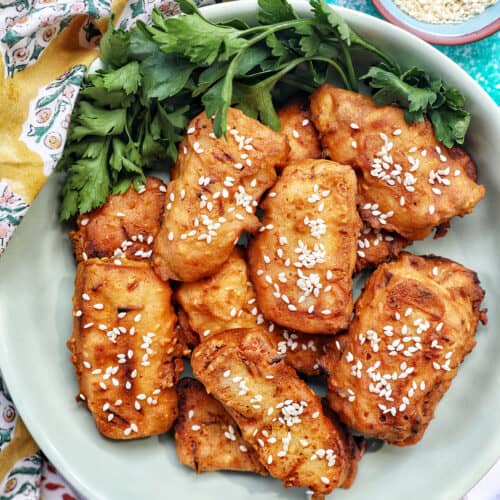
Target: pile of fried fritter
<point x="161" y="276"/>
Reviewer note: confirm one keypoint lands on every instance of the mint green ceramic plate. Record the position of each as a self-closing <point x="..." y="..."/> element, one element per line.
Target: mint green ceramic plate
<point x="36" y="285"/>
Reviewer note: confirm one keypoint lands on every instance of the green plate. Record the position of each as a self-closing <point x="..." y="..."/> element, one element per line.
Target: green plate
<point x="36" y="285"/>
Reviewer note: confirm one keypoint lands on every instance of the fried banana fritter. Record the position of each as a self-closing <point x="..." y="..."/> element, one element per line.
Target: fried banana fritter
<point x="124" y="348"/>
<point x="213" y="196"/>
<point x="408" y="182"/>
<point x="414" y="323"/>
<point x="302" y="259"/>
<point x="277" y="413"/>
<point x="207" y="437"/>
<point x="125" y="226"/>
<point x="376" y="246"/>
<point x="227" y="301"/>
<point x="296" y="124"/>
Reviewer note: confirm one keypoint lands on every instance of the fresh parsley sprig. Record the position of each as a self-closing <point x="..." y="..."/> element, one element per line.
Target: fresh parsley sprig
<point x="420" y="96"/>
<point x="131" y="115"/>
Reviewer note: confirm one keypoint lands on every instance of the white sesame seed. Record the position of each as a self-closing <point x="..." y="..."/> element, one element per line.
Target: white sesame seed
<point x="195" y="427"/>
<point x="325" y="480"/>
<point x="354" y="126"/>
<point x="84" y="222"/>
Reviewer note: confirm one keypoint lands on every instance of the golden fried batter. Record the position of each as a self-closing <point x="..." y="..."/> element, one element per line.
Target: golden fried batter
<point x="207" y="437"/>
<point x="124" y="349"/>
<point x="414" y="323"/>
<point x="376" y="246"/>
<point x="408" y="182"/>
<point x="296" y="124"/>
<point x="214" y="193"/>
<point x="302" y="259"/>
<point x="125" y="226"/>
<point x="227" y="300"/>
<point x="277" y="413"/>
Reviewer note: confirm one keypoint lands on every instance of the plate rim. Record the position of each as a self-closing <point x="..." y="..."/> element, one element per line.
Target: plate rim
<point x="36" y="429"/>
<point x="450" y="40"/>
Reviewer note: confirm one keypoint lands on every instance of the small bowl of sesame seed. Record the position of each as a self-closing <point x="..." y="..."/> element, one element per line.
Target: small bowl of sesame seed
<point x="443" y="22"/>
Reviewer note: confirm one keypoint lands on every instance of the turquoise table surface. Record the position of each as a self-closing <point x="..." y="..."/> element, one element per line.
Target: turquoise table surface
<point x="480" y="59"/>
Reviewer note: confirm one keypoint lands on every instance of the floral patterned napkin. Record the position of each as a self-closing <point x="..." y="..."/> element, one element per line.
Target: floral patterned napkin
<point x="45" y="49"/>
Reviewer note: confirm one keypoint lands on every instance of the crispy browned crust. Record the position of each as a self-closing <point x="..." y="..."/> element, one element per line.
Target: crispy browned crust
<point x="227" y="300"/>
<point x="414" y="323"/>
<point x="278" y="414"/>
<point x="212" y="198"/>
<point x="125" y="226"/>
<point x="376" y="246"/>
<point x="207" y="437"/>
<point x="436" y="183"/>
<point x="126" y="366"/>
<point x="288" y="253"/>
<point x="299" y="130"/>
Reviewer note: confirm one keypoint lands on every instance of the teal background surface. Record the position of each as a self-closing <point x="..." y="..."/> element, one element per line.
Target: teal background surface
<point x="480" y="59"/>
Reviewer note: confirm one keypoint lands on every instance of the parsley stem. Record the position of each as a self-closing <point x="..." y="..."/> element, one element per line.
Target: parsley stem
<point x="268" y="29"/>
<point x="337" y="68"/>
<point x="275" y="27"/>
<point x="348" y="62"/>
<point x="272" y="80"/>
<point x="357" y="40"/>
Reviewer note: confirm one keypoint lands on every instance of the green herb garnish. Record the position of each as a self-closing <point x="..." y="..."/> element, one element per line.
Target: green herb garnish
<point x="131" y="115"/>
<point x="419" y="95"/>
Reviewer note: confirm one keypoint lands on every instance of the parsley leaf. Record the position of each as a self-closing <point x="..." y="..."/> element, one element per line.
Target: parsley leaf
<point x="114" y="46"/>
<point x="165" y="75"/>
<point x="275" y="11"/>
<point x="141" y="45"/>
<point x="91" y="120"/>
<point x="195" y="38"/>
<point x="87" y="185"/>
<point x="126" y="78"/>
<point x="393" y="90"/>
<point x="328" y="16"/>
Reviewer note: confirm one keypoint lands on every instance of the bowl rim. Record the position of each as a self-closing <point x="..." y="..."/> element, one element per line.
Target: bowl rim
<point x="462" y="39"/>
